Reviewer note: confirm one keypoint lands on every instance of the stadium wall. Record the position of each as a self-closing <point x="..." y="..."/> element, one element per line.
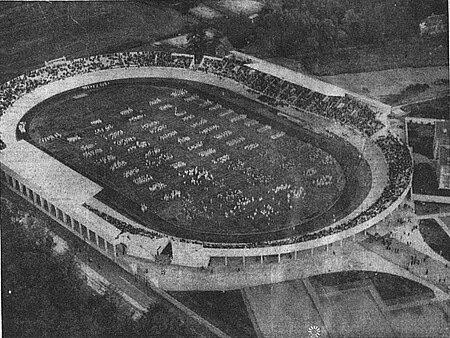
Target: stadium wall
<point x="98" y="232"/>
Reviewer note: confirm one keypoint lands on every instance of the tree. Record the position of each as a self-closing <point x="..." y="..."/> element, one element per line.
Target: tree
<point x="237" y="28"/>
<point x="327" y="34"/>
<point x="197" y="42"/>
<point x="161" y="323"/>
<point x="44" y="296"/>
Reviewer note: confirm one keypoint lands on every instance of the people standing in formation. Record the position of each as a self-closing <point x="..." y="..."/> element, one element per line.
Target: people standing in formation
<point x="276" y="91"/>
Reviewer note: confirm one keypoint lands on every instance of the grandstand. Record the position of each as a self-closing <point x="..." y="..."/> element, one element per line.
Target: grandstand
<point x="139" y="178"/>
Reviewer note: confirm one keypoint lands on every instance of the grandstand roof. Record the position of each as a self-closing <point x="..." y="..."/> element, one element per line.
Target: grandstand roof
<point x="51" y="176"/>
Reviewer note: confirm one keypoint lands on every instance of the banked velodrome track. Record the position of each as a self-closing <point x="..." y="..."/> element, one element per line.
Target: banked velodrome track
<point x="67" y="190"/>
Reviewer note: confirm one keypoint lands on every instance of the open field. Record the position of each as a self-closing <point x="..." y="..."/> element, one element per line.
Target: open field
<point x="392" y="289"/>
<point x="434" y="109"/>
<point x="423" y="208"/>
<point x="420" y="138"/>
<point x="391" y="86"/>
<point x="435" y="237"/>
<point x="425" y="181"/>
<point x="353" y="309"/>
<point x="430" y="321"/>
<point x="284" y="310"/>
<point x="33" y="32"/>
<point x="226" y="310"/>
<point x="354" y="314"/>
<point x="411" y="53"/>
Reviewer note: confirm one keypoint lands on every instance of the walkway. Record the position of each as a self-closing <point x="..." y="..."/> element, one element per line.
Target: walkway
<point x="429" y="272"/>
<point x="409" y="234"/>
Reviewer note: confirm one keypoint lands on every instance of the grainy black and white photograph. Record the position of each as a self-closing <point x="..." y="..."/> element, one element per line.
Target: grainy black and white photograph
<point x="225" y="168"/>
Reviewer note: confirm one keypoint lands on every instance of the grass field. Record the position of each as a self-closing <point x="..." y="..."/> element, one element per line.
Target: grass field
<point x="433" y="109"/>
<point x="226" y="310"/>
<point x="348" y="308"/>
<point x="435" y="237"/>
<point x="354" y="314"/>
<point x="423" y="208"/>
<point x="284" y="309"/>
<point x="390" y="288"/>
<point x="33" y="32"/>
<point x="396" y="86"/>
<point x="420" y="138"/>
<point x="190" y="160"/>
<point x="413" y="52"/>
<point x="425" y="181"/>
<point x="421" y="321"/>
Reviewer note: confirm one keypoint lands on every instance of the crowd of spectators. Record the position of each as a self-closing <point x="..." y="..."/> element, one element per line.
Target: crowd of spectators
<point x="13" y="89"/>
<point x="399" y="161"/>
<point x="279" y="92"/>
<point x="344" y="110"/>
<point x="124" y="227"/>
<point x="400" y="171"/>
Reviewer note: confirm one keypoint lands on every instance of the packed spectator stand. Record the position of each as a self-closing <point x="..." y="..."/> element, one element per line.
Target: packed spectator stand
<point x="270" y="89"/>
<point x="344" y="110"/>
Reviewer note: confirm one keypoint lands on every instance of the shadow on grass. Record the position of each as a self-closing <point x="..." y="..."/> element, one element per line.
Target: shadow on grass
<point x="226" y="310"/>
<point x="435" y="237"/>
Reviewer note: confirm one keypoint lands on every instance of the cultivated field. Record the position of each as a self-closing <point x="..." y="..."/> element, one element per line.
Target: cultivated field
<point x="390" y="86"/>
<point x="34" y="32"/>
<point x="347" y="310"/>
<point x="433" y="109"/>
<point x="420" y="138"/>
<point x="195" y="160"/>
<point x="284" y="310"/>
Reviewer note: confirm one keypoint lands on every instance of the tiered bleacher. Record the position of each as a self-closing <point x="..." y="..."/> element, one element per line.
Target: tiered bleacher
<point x="272" y="90"/>
<point x="121" y="225"/>
<point x="13" y="89"/>
<point x="279" y="92"/>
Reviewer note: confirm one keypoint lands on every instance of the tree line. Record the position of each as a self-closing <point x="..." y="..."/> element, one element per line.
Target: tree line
<point x="292" y="27"/>
<point x="43" y="294"/>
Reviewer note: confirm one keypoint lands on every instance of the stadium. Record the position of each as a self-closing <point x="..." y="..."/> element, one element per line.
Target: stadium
<point x="153" y="159"/>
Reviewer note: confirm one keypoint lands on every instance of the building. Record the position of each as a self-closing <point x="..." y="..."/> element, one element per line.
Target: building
<point x="441" y="151"/>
